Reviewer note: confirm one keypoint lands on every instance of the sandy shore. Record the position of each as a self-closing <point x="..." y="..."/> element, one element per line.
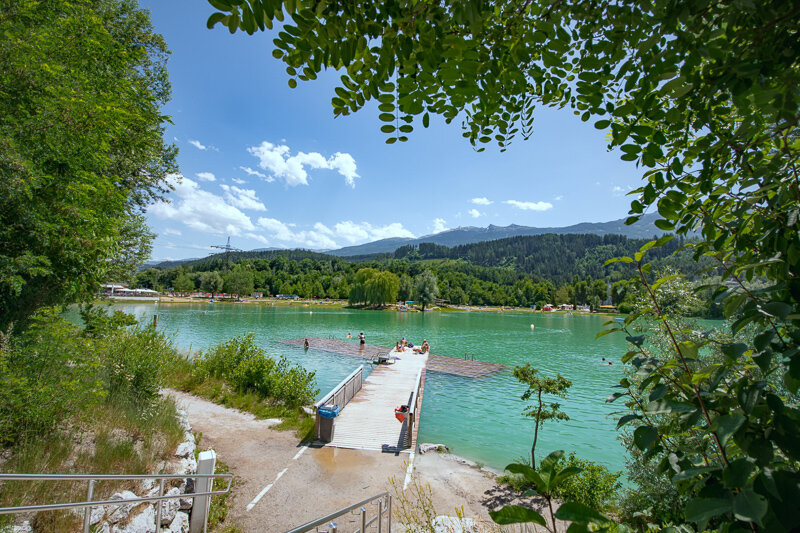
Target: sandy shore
<point x="281" y="484"/>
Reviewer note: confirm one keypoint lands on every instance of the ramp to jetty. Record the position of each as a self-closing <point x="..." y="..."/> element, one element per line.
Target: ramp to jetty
<point x="436" y="363"/>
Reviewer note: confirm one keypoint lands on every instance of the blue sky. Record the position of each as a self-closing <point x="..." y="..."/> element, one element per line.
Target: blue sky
<point x="271" y="167"/>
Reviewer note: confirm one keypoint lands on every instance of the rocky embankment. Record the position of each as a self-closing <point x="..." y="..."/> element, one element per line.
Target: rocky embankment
<point x="141" y="517"/>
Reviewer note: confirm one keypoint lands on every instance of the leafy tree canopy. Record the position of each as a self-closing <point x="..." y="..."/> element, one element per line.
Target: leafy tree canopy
<point x="81" y="147"/>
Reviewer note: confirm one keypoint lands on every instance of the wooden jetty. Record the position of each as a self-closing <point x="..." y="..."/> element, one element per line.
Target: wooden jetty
<point x="436" y="363"/>
<point x="367" y="421"/>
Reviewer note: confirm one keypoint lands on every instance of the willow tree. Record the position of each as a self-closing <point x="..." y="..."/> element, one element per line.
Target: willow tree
<point x="702" y="96"/>
<point x="82" y="152"/>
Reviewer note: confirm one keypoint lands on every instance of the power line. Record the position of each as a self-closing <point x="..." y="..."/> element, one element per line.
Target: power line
<point x="228" y="249"/>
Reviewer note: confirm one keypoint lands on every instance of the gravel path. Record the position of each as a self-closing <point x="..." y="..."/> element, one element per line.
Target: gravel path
<point x="281" y="484"/>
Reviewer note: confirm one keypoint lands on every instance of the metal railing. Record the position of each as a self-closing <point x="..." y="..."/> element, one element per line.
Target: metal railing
<point x="413" y="404"/>
<point x="341" y="394"/>
<point x="93" y="478"/>
<point x="360" y="508"/>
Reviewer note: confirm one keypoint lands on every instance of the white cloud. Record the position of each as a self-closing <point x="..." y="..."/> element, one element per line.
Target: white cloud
<point x="238" y="181"/>
<point x="277" y="159"/>
<point x="620" y="191"/>
<point x="201" y="210"/>
<point x="474" y="213"/>
<point x="243" y="198"/>
<point x="305" y="239"/>
<point x="481" y="201"/>
<point x="198" y="144"/>
<point x="354" y="232"/>
<point x="250" y="172"/>
<point x="530" y="206"/>
<point x="559" y="198"/>
<point x="257" y="237"/>
<point x="170" y="231"/>
<point x="439" y="225"/>
<point x="206" y="176"/>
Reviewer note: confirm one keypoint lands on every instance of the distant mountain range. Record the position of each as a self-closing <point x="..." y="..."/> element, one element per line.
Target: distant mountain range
<point x="643" y="229"/>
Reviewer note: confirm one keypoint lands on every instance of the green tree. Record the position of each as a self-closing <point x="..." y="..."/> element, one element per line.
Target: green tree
<point x="211" y="282"/>
<point x="81" y="138"/>
<point x="239" y="282"/>
<point x="183" y="283"/>
<point x="425" y="288"/>
<point x="382" y="288"/>
<point x="406" y="290"/>
<point x="541" y="411"/>
<point x="703" y="97"/>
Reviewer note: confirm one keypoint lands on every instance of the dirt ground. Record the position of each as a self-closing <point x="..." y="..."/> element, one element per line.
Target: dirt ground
<point x="281" y="484"/>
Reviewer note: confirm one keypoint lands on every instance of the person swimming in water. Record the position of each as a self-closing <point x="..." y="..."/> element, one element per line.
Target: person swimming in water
<point x="361" y="338"/>
<point x="349" y="336"/>
<point x="306" y="344"/>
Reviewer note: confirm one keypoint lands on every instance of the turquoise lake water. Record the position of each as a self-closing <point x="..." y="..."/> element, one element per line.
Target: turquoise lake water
<point x="477" y="418"/>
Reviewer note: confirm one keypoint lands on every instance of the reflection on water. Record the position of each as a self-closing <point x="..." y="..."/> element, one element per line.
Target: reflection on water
<point x="478" y="418"/>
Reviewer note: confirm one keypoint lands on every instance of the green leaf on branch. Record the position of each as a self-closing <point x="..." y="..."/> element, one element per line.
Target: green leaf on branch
<point x="749" y="506"/>
<point x="516" y="514"/>
<point x="726" y="425"/>
<point x="644" y="436"/>
<point x="578" y="512"/>
<point x="700" y="509"/>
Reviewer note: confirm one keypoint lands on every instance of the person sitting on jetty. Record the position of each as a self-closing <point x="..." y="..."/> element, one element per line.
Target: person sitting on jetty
<point x="425" y="348"/>
<point x="397" y="347"/>
<point x="403" y="342"/>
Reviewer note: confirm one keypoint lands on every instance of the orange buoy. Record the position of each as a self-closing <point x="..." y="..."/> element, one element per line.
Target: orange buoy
<point x="400" y="413"/>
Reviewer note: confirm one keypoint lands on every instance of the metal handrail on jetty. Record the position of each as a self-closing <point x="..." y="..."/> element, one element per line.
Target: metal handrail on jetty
<point x="413" y="403"/>
<point x="340" y="395"/>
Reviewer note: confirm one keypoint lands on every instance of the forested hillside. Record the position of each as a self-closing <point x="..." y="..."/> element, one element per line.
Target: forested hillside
<point x="515" y="271"/>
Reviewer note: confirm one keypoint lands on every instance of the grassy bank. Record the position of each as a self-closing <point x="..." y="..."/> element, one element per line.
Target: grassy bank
<point x="239" y="374"/>
<point x="80" y="400"/>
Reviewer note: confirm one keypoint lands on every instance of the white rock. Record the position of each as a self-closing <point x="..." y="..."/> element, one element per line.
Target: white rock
<point x="185" y="449"/>
<point x="103" y="528"/>
<point x="427" y="447"/>
<point x="144" y="522"/>
<point x="24" y="527"/>
<point x="308" y="410"/>
<point x="120" y="512"/>
<point x="180" y="524"/>
<point x="186" y="503"/>
<point x="95" y="516"/>
<point x="453" y="524"/>
<point x="169" y="508"/>
<point x="147" y="484"/>
<point x="188" y="465"/>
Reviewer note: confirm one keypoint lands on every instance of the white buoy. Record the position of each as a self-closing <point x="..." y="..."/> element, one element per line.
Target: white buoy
<point x="531" y="327"/>
<point x="311" y="312"/>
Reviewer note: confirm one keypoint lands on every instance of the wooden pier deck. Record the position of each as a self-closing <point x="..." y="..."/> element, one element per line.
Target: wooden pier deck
<point x="436" y="363"/>
<point x="367" y="422"/>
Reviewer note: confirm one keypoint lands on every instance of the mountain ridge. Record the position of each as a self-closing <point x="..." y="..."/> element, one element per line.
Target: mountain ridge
<point x="643" y="229"/>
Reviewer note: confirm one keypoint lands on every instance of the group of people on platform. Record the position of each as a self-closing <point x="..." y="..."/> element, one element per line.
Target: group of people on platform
<point x="402" y="344"/>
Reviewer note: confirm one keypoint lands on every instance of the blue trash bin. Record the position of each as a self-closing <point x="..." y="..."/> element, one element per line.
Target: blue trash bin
<point x="327" y="414"/>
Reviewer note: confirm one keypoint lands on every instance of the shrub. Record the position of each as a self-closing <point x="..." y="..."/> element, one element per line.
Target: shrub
<point x="595" y="486"/>
<point x="247" y="368"/>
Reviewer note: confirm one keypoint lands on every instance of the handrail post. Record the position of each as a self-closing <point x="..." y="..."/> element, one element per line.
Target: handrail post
<point x="159" y="504"/>
<point x="380" y="514"/>
<point x="363" y="520"/>
<point x="389" y="515"/>
<point x="87" y="514"/>
<point x="334" y="527"/>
